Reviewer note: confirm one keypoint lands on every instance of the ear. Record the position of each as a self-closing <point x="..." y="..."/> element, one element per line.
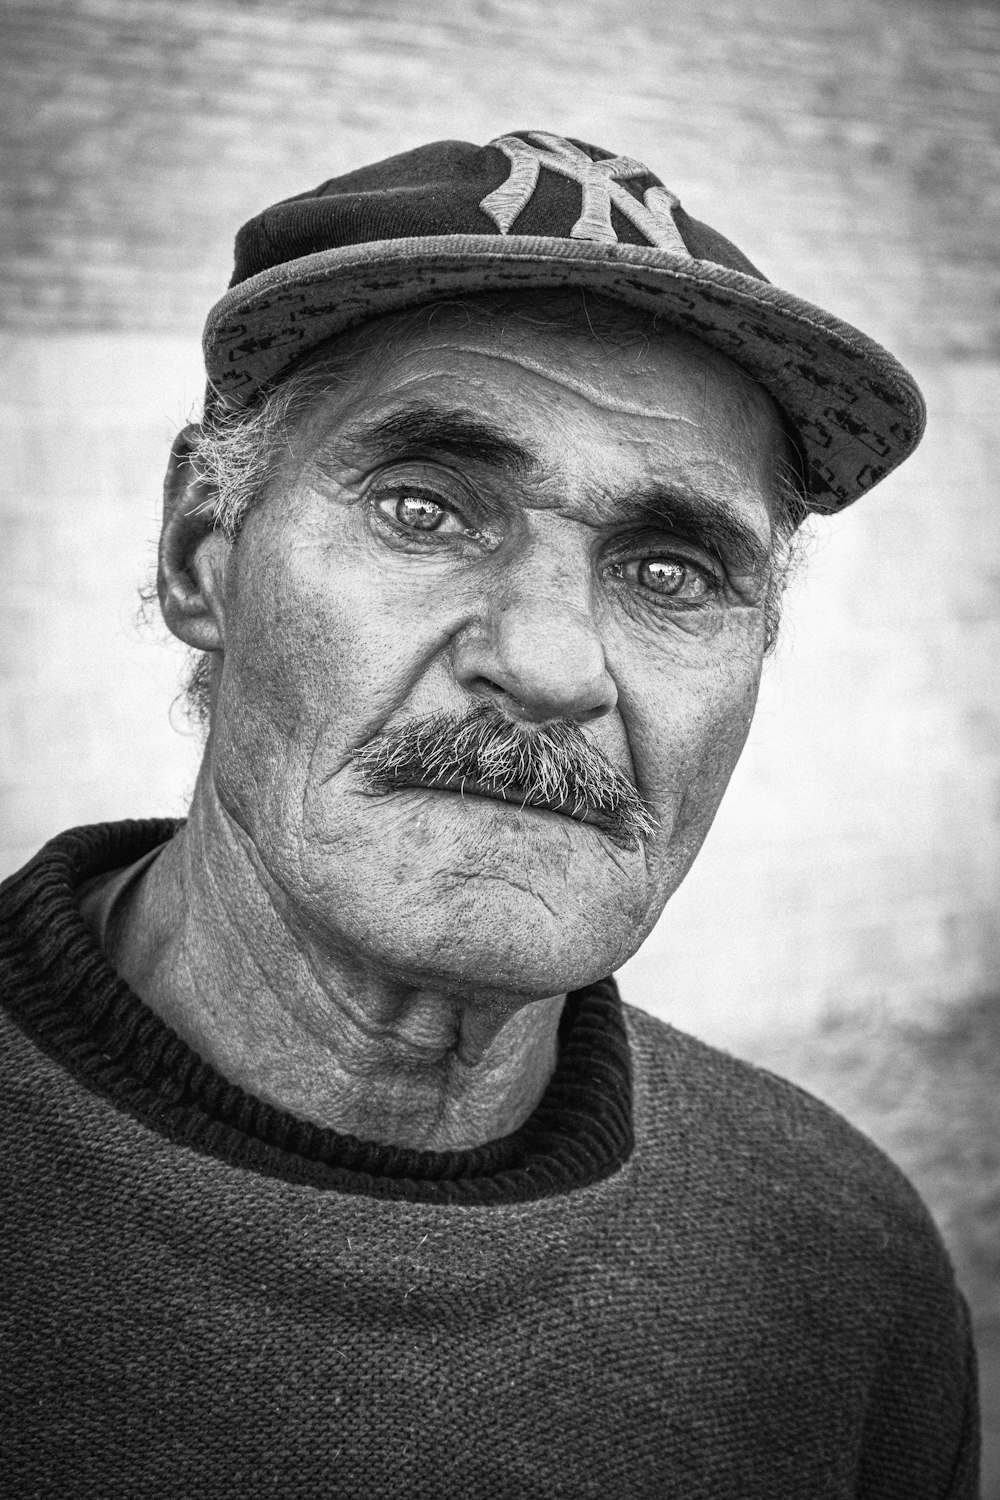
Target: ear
<point x="190" y="577"/>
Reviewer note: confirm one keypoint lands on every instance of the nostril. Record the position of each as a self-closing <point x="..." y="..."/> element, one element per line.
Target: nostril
<point x="588" y="715"/>
<point x="501" y="697"/>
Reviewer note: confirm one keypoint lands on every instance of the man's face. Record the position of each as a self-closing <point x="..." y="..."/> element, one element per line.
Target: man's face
<point x="511" y="514"/>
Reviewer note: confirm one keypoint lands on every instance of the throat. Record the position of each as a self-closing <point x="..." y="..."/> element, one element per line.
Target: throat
<point x="315" y="1036"/>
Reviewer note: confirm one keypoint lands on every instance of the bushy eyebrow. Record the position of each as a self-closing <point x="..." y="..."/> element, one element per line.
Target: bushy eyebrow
<point x="433" y="429"/>
<point x="700" y="519"/>
<point x="683" y="509"/>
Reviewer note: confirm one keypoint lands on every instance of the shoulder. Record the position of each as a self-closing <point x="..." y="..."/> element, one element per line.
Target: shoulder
<point x="752" y="1108"/>
<point x="52" y="970"/>
<point x="797" y="1231"/>
<point x="809" y="1225"/>
<point x="777" y="1149"/>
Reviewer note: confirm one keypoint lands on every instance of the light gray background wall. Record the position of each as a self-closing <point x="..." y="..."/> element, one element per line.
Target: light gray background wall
<point x="842" y="922"/>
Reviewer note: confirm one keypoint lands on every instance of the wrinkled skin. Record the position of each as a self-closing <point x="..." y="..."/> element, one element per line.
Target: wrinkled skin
<point x="395" y="965"/>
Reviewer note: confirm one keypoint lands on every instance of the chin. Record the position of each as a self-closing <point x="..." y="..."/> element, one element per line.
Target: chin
<point x="499" y="957"/>
<point x="440" y="890"/>
<point x="513" y="931"/>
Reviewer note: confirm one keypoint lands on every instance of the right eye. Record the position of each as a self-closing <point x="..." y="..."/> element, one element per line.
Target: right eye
<point x="420" y="514"/>
<point x="417" y="505"/>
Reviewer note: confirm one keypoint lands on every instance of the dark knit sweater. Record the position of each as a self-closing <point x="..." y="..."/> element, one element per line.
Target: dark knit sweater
<point x="682" y="1277"/>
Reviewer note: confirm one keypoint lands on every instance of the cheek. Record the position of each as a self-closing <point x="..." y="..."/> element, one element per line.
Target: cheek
<point x="687" y="730"/>
<point x="320" y="649"/>
<point x="283" y="676"/>
<point x="298" y="634"/>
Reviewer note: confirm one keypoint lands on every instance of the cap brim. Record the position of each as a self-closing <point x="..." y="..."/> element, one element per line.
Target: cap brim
<point x="856" y="410"/>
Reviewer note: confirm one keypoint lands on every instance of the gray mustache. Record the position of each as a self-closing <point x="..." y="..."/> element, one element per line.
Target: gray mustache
<point x="551" y="765"/>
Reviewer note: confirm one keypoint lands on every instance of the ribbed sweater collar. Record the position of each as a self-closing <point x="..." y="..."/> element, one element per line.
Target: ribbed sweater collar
<point x="63" y="992"/>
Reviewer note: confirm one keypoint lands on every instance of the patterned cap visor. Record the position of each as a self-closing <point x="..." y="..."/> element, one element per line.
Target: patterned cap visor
<point x="857" y="413"/>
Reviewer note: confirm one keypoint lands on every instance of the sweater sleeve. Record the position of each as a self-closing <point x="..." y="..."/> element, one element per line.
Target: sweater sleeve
<point x="964" y="1484"/>
<point x="922" y="1436"/>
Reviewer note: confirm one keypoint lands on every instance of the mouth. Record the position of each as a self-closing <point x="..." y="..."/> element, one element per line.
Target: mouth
<point x="465" y="786"/>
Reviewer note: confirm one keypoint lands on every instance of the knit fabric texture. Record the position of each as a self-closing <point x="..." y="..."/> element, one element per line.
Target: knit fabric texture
<point x="682" y="1277"/>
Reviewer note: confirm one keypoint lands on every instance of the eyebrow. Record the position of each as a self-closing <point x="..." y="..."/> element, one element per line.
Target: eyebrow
<point x="434" y="429"/>
<point x="701" y="519"/>
<point x="686" y="510"/>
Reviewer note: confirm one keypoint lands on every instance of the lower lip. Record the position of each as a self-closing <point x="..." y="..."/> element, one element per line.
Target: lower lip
<point x="469" y="794"/>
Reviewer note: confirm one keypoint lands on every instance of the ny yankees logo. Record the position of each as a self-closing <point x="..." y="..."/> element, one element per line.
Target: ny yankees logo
<point x="600" y="184"/>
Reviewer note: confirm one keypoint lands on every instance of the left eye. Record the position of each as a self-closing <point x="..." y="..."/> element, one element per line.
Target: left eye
<point x="671" y="578"/>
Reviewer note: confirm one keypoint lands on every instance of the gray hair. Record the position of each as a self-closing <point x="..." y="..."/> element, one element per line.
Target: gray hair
<point x="240" y="454"/>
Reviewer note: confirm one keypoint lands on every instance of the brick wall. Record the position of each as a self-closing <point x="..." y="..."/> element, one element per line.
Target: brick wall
<point x="841" y="923"/>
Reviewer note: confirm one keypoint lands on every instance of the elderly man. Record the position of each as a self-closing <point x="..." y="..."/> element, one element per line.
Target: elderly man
<point x="334" y="1163"/>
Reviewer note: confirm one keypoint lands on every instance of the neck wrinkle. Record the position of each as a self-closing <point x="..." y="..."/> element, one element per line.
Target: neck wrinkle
<point x="207" y="943"/>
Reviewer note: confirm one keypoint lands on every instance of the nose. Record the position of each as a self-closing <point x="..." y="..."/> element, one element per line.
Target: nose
<point x="538" y="656"/>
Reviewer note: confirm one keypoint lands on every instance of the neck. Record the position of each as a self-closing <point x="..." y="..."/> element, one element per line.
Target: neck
<point x="211" y="945"/>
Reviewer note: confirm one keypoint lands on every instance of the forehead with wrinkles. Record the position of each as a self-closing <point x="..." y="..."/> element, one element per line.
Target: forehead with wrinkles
<point x="546" y="371"/>
<point x="607" y="360"/>
<point x="613" y="350"/>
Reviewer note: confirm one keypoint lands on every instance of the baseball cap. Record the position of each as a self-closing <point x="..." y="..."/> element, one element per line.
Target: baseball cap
<point x="537" y="210"/>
